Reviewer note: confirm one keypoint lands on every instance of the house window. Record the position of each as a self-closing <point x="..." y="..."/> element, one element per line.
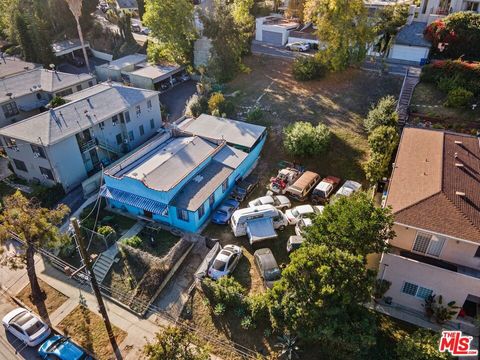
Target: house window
<point x="211" y="200"/>
<point x="20" y="165"/>
<point x="122" y="118"/>
<point x="182" y="214"/>
<point x="10" y="109"/>
<point x="415" y="290"/>
<point x="127" y="117"/>
<point x="90" y="83"/>
<point x="138" y="110"/>
<point x="142" y="130"/>
<point x="79" y="87"/>
<point x="130" y="136"/>
<point x="115" y="120"/>
<point x="47" y="173"/>
<point x="428" y="244"/>
<point x="65" y="92"/>
<point x="38" y="151"/>
<point x="225" y="185"/>
<point x="119" y="139"/>
<point x="101" y="125"/>
<point x="149" y="104"/>
<point x="152" y="123"/>
<point x="201" y="211"/>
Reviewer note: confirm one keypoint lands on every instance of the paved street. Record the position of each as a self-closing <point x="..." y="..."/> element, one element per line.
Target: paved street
<point x="261" y="48"/>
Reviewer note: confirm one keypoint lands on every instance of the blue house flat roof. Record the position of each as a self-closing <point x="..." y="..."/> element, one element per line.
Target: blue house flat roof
<point x="412" y="35"/>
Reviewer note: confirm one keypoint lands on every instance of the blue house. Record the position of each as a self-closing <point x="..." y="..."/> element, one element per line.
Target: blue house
<point x="181" y="176"/>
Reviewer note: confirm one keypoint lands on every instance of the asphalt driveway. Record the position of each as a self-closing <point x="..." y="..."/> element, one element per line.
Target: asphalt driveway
<point x="176" y="98"/>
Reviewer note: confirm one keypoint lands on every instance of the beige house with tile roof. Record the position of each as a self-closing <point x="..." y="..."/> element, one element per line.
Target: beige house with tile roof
<point x="434" y="193"/>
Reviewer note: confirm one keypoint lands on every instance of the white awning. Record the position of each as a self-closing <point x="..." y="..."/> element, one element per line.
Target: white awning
<point x="260" y="229"/>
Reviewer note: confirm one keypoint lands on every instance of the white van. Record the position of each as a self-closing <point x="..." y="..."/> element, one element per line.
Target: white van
<point x="258" y="222"/>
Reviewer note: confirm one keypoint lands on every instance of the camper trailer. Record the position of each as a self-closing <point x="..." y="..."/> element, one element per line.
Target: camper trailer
<point x="258" y="222"/>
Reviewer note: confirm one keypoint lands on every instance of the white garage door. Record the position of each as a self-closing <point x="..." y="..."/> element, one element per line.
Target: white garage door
<point x="272" y="37"/>
<point x="410" y="53"/>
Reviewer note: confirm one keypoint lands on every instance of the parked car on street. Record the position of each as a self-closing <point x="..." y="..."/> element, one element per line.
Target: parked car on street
<point x="244" y="188"/>
<point x="324" y="189"/>
<point x="145" y="31"/>
<point x="136" y="28"/>
<point x="347" y="189"/>
<point x="224" y="212"/>
<point x="299" y="212"/>
<point x="294" y="242"/>
<point x="25" y="326"/>
<point x="298" y="46"/>
<point x="76" y="61"/>
<point x="267" y="266"/>
<point x="62" y="348"/>
<point x="301" y="225"/>
<point x="225" y="261"/>
<point x="279" y="201"/>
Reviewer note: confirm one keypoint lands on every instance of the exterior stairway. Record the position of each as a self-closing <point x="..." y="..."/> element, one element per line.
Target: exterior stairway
<point x="412" y="78"/>
<point x="102" y="265"/>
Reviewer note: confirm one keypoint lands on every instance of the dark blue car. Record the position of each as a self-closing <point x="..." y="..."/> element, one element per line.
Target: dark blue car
<point x="222" y="215"/>
<point x="60" y="347"/>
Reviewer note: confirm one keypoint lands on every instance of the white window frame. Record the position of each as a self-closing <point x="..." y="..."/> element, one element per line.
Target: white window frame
<point x="433" y="238"/>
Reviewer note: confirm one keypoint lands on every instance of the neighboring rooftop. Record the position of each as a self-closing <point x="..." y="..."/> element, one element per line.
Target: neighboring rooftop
<point x="38" y="79"/>
<point x="217" y="128"/>
<point x="166" y="165"/>
<point x="127" y="4"/>
<point x="412" y="35"/>
<point x="155" y="72"/>
<point x="83" y="110"/>
<point x="280" y="21"/>
<point x="125" y="61"/>
<point x="435" y="184"/>
<point x="67" y="46"/>
<point x="11" y="65"/>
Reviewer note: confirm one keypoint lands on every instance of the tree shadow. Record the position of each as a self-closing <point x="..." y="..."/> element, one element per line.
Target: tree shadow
<point x="42" y="307"/>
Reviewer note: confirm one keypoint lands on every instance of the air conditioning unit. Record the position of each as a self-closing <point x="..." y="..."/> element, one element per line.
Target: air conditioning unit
<point x="36" y="155"/>
<point x="15" y="148"/>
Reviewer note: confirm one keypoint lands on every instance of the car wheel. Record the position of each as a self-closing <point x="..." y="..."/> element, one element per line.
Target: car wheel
<point x="300" y="49"/>
<point x="289" y="48"/>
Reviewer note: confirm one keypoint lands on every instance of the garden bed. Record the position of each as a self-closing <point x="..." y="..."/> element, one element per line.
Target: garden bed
<point x="88" y="330"/>
<point x="53" y="298"/>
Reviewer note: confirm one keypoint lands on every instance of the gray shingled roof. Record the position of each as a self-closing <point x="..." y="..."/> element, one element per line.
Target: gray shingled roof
<point x="38" y="80"/>
<point x="198" y="190"/>
<point x="230" y="156"/>
<point x="123" y="62"/>
<point x="12" y="66"/>
<point x="86" y="108"/>
<point x="232" y="131"/>
<point x="412" y="35"/>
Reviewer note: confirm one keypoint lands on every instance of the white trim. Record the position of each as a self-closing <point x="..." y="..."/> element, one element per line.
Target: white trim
<point x="437" y="233"/>
<point x="426" y="253"/>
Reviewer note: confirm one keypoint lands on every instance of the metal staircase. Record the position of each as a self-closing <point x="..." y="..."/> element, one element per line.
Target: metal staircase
<point x="412" y="78"/>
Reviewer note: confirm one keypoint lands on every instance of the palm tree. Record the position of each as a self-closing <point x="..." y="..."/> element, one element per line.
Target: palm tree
<point x="288" y="345"/>
<point x="76" y="9"/>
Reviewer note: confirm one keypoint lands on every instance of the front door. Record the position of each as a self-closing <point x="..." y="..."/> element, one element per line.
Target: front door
<point x="94" y="157"/>
<point x="147" y="214"/>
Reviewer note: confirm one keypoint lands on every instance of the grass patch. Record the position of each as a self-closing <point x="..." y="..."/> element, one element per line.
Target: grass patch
<point x="157" y="242"/>
<point x="88" y="329"/>
<point x="119" y="222"/>
<point x="53" y="300"/>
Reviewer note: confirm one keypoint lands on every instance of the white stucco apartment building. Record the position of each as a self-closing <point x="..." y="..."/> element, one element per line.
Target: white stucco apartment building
<point x="96" y="126"/>
<point x="435" y="197"/>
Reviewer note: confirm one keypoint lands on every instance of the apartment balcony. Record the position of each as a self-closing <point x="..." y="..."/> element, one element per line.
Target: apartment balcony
<point x="87" y="145"/>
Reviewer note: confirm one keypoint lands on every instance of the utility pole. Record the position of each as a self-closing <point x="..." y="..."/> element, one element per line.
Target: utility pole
<point x="96" y="290"/>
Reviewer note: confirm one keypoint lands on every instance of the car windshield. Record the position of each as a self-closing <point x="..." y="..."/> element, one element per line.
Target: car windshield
<point x="32" y="329"/>
<point x="222" y="212"/>
<point x="295" y="212"/>
<point x="272" y="274"/>
<point x="219" y="265"/>
<point x="57" y="343"/>
<point x="320" y="193"/>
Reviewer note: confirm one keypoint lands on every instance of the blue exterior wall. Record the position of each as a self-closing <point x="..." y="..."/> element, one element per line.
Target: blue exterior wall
<point x="194" y="223"/>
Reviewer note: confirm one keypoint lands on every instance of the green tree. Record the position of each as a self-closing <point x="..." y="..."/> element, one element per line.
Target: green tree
<point x="21" y="27"/>
<point x="420" y="345"/>
<point x="389" y="19"/>
<point x="75" y="7"/>
<point x="319" y="298"/>
<point x="375" y="168"/>
<point x="244" y="22"/>
<point x="383" y="113"/>
<point x="303" y="139"/>
<point x="295" y="8"/>
<point x="175" y="343"/>
<point x="383" y="141"/>
<point x="353" y="224"/>
<point x="308" y="68"/>
<point x="36" y="226"/>
<point x="57" y="101"/>
<point x="172" y="23"/>
<point x="343" y="26"/>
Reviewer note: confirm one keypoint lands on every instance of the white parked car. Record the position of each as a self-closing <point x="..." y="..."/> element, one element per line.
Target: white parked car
<point x="348" y="188"/>
<point x="298" y="46"/>
<point x="279" y="201"/>
<point x="225" y="261"/>
<point x="299" y="212"/>
<point x="301" y="225"/>
<point x="26" y="326"/>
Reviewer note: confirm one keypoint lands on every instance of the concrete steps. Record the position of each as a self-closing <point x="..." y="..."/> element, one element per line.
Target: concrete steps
<point x="411" y="80"/>
<point x="102" y="266"/>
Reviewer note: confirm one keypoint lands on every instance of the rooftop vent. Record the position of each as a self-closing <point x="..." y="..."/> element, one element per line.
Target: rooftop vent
<point x="198" y="178"/>
<point x="460" y="193"/>
<point x="459" y="165"/>
<point x="458" y="142"/>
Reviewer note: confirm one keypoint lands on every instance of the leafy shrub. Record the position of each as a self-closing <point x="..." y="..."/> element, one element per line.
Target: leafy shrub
<point x="196" y="106"/>
<point x="134" y="242"/>
<point x="247" y="323"/>
<point x="48" y="196"/>
<point x="383" y="113"/>
<point x="458" y="97"/>
<point x="420" y="345"/>
<point x="219" y="309"/>
<point x="56" y="102"/>
<point x="381" y="287"/>
<point x="255" y="114"/>
<point x="303" y="139"/>
<point x="226" y="290"/>
<point x="308" y="68"/>
<point x="219" y="106"/>
<point x="105" y="230"/>
<point x="448" y="75"/>
<point x="258" y="306"/>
